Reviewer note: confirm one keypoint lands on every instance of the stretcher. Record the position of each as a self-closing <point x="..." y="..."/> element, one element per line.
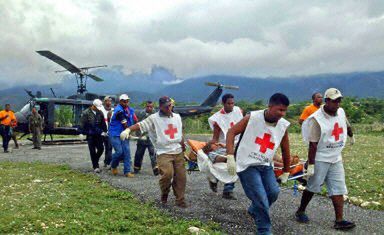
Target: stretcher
<point x="297" y="170"/>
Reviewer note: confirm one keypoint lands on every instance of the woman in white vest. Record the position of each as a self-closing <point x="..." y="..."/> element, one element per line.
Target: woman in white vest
<point x="326" y="132"/>
<point x="262" y="133"/>
<point x="220" y="122"/>
<point x="164" y="128"/>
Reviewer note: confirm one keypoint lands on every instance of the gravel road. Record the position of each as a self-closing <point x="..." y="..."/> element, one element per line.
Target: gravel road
<point x="205" y="205"/>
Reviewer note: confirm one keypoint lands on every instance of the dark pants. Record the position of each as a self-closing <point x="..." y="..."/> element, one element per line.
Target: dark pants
<point x="6" y="135"/>
<point x="96" y="148"/>
<point x="260" y="186"/>
<point x="14" y="138"/>
<point x="108" y="150"/>
<point x="139" y="155"/>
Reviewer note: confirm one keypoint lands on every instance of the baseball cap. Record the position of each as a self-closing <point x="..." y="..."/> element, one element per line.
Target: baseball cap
<point x="332" y="93"/>
<point x="124" y="97"/>
<point x="165" y="100"/>
<point x="98" y="104"/>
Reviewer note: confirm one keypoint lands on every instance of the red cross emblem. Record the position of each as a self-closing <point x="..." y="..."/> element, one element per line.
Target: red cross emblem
<point x="231" y="124"/>
<point x="337" y="131"/>
<point x="265" y="143"/>
<point x="171" y="131"/>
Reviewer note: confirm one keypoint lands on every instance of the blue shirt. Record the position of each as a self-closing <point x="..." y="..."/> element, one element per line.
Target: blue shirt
<point x="119" y="117"/>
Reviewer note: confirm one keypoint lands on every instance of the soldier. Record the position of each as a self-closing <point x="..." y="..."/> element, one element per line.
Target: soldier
<point x="35" y="127"/>
<point x="144" y="142"/>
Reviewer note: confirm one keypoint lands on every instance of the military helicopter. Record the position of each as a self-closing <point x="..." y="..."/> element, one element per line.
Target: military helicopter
<point x="62" y="115"/>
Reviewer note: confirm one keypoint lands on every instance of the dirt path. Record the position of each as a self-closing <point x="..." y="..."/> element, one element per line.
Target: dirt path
<point x="206" y="205"/>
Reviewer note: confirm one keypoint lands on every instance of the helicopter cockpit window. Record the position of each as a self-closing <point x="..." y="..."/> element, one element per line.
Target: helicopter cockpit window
<point x="64" y="115"/>
<point x="26" y="109"/>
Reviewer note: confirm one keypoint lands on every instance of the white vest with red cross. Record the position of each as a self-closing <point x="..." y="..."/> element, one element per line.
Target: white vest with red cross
<point x="259" y="142"/>
<point x="225" y="121"/>
<point x="333" y="135"/>
<point x="168" y="134"/>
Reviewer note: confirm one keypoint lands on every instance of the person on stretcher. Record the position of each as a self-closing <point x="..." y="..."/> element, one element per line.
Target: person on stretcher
<point x="216" y="153"/>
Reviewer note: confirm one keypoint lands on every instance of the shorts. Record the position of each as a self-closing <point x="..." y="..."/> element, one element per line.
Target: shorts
<point x="332" y="174"/>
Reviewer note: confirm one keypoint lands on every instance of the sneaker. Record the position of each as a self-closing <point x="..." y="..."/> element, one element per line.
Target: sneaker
<point x="38" y="148"/>
<point x="97" y="170"/>
<point x="108" y="167"/>
<point x="344" y="225"/>
<point x="17" y="147"/>
<point x="6" y="151"/>
<point x="164" y="198"/>
<point x="182" y="204"/>
<point x="156" y="171"/>
<point x="114" y="171"/>
<point x="301" y="217"/>
<point x="130" y="175"/>
<point x="136" y="171"/>
<point x="213" y="186"/>
<point x="229" y="196"/>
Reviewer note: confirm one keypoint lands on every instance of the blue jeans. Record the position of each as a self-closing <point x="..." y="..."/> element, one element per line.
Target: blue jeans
<point x="122" y="151"/>
<point x="260" y="186"/>
<point x="228" y="187"/>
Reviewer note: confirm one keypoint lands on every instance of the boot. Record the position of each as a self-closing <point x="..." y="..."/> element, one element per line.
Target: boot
<point x="229" y="196"/>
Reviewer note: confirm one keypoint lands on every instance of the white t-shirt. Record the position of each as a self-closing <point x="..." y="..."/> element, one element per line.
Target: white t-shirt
<point x="165" y="133"/>
<point x="225" y="121"/>
<point x="333" y="134"/>
<point x="260" y="141"/>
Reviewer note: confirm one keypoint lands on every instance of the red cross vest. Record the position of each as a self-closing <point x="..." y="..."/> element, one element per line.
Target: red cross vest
<point x="333" y="135"/>
<point x="225" y="121"/>
<point x="168" y="133"/>
<point x="259" y="142"/>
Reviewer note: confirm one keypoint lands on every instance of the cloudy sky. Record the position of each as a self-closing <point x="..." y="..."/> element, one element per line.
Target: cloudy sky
<point x="192" y="37"/>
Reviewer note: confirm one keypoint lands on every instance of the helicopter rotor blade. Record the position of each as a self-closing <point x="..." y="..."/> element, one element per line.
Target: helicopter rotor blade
<point x="92" y="67"/>
<point x="231" y="87"/>
<point x="57" y="59"/>
<point x="213" y="84"/>
<point x="216" y="84"/>
<point x="94" y="77"/>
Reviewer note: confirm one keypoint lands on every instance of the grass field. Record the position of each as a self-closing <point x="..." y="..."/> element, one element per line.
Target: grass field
<point x="37" y="198"/>
<point x="363" y="163"/>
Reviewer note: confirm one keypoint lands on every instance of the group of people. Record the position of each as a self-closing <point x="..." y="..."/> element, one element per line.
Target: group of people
<point x="8" y="123"/>
<point x="248" y="145"/>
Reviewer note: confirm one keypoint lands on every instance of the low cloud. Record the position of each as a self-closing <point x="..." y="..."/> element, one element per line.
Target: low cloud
<point x="252" y="38"/>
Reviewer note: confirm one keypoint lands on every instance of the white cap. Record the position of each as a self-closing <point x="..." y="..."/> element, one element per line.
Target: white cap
<point x="124" y="97"/>
<point x="98" y="104"/>
<point x="332" y="93"/>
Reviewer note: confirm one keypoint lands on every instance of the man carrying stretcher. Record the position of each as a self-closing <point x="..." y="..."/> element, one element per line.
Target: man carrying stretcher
<point x="220" y="123"/>
<point x="262" y="132"/>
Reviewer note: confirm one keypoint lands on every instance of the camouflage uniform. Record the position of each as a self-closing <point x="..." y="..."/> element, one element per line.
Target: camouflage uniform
<point x="36" y="127"/>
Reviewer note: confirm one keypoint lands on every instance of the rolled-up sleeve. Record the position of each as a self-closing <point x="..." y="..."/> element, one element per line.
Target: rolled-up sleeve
<point x="314" y="131"/>
<point x="147" y="125"/>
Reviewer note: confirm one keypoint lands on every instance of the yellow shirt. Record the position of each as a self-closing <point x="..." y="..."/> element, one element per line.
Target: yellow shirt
<point x="308" y="111"/>
<point x="10" y="119"/>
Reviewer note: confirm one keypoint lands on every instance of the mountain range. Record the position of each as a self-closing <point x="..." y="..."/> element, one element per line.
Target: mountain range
<point x="161" y="81"/>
